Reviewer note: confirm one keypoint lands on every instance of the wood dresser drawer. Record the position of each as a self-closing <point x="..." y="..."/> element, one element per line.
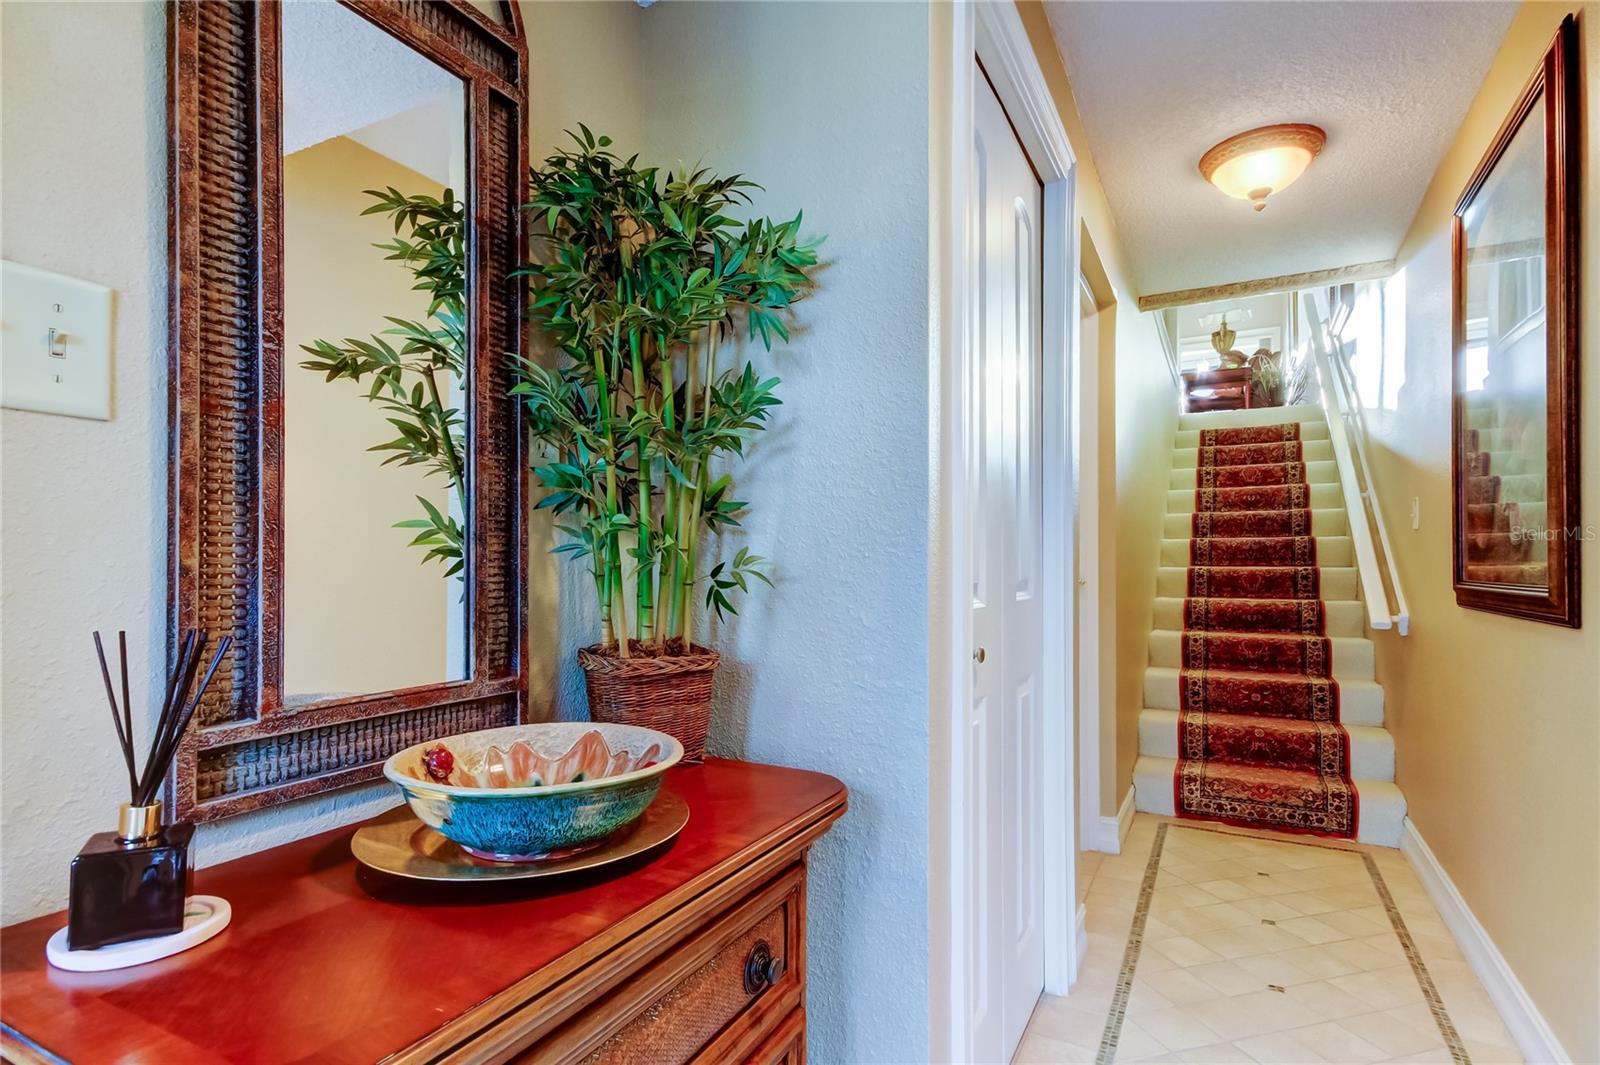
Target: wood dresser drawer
<point x="720" y="995"/>
<point x="786" y="1045"/>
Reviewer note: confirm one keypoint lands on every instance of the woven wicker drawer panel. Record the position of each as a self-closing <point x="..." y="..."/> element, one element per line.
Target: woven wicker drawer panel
<point x="696" y="1001"/>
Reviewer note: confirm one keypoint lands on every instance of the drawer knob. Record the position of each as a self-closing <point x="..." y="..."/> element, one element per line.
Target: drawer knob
<point x="762" y="968"/>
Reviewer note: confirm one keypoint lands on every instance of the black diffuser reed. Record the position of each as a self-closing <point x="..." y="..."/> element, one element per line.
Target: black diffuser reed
<point x="131" y="883"/>
<point x="173" y="718"/>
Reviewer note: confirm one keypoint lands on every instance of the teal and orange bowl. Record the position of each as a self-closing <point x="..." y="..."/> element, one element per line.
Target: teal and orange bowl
<point x="529" y="793"/>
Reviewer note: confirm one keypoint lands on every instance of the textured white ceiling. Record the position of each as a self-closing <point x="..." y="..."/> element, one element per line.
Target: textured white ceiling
<point x="1159" y="83"/>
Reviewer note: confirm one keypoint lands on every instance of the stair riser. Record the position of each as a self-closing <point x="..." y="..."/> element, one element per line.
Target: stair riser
<point x="1323" y="497"/>
<point x="1326" y="522"/>
<point x="1382" y="807"/>
<point x="1360" y="701"/>
<point x="1352" y="657"/>
<point x="1371" y="749"/>
<point x="1187" y="458"/>
<point x="1230" y="419"/>
<point x="1331" y="551"/>
<point x="1345" y="617"/>
<point x="1337" y="583"/>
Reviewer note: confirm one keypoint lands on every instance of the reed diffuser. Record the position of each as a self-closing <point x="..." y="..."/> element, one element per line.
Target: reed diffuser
<point x="131" y="884"/>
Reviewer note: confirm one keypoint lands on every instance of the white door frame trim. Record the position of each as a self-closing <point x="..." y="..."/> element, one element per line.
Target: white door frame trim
<point x="994" y="33"/>
<point x="1087" y="591"/>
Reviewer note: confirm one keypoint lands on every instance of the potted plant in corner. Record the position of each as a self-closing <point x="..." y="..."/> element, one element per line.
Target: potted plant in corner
<point x="643" y="277"/>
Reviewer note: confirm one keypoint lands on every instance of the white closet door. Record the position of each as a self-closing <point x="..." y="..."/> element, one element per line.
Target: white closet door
<point x="1004" y="481"/>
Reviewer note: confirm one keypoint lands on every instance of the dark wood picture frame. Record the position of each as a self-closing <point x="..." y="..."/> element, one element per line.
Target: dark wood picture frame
<point x="247" y="750"/>
<point x="1556" y="88"/>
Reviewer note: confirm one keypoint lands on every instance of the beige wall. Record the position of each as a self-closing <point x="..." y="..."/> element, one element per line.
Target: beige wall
<point x="362" y="613"/>
<point x="1497" y="721"/>
<point x="1137" y="443"/>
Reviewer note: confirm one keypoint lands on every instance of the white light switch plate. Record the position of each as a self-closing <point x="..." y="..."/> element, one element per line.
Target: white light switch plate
<point x="67" y="371"/>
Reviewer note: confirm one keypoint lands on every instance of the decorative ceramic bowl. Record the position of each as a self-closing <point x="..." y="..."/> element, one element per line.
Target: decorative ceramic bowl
<point x="533" y="792"/>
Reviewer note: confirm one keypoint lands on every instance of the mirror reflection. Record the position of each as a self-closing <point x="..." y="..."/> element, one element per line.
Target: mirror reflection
<point x="1502" y="373"/>
<point x="374" y="368"/>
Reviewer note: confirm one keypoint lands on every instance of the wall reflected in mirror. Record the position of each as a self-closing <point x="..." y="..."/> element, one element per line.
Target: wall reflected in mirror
<point x="1501" y="379"/>
<point x="374" y="361"/>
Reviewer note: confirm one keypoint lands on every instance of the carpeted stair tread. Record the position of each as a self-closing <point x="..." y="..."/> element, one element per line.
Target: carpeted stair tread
<point x="1360" y="701"/>
<point x="1225" y="740"/>
<point x="1301" y="617"/>
<point x="1258" y="551"/>
<point x="1257" y="475"/>
<point x="1371" y="749"/>
<point x="1352" y="657"/>
<point x="1258" y="652"/>
<point x="1382" y="808"/>
<point x="1254" y="582"/>
<point x="1244" y="524"/>
<point x="1264" y="796"/>
<point x="1337" y="582"/>
<point x="1311" y="431"/>
<point x="1340" y="617"/>
<point x="1228" y="691"/>
<point x="1272" y="497"/>
<point x="1319" y="450"/>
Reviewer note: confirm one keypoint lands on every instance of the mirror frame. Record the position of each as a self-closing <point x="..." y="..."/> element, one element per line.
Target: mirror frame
<point x="1554" y="86"/>
<point x="247" y="750"/>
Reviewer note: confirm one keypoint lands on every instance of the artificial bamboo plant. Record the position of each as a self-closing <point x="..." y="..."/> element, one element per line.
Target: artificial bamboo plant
<point x="643" y="279"/>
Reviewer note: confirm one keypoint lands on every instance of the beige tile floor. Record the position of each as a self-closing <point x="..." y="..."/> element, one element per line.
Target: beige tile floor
<point x="1263" y="948"/>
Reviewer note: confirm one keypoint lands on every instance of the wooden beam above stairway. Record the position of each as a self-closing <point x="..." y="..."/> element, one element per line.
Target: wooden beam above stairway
<point x="1260" y="286"/>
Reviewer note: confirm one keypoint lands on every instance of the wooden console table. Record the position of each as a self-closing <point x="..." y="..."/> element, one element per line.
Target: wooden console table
<point x="664" y="959"/>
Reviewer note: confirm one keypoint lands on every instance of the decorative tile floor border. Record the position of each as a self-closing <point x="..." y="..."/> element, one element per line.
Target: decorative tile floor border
<point x="1147" y="889"/>
<point x="1130" y="954"/>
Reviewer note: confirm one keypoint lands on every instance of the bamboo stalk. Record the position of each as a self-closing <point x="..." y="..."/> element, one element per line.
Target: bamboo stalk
<point x="690" y="527"/>
<point x="616" y="611"/>
<point x="667" y="565"/>
<point x="645" y="613"/>
<point x="451" y="458"/>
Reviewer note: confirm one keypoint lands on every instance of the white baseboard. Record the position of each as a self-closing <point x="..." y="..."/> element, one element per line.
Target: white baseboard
<point x="1108" y="833"/>
<point x="1526" y="1024"/>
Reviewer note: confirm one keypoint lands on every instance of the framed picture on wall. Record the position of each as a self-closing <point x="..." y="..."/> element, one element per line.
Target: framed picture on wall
<point x="1516" y="296"/>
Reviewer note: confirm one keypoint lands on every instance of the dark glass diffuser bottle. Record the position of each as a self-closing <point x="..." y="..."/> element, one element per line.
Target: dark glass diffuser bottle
<point x="131" y="883"/>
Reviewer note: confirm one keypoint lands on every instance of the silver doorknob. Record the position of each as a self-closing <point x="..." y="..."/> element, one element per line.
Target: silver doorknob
<point x="979" y="655"/>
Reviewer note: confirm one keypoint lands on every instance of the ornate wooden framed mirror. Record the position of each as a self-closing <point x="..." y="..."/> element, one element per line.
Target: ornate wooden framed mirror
<point x="1516" y="295"/>
<point x="347" y="475"/>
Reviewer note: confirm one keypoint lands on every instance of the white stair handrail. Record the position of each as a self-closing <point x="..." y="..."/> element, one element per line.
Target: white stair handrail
<point x="1362" y="508"/>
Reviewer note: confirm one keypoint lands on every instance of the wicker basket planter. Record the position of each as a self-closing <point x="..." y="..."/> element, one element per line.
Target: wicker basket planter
<point x="669" y="692"/>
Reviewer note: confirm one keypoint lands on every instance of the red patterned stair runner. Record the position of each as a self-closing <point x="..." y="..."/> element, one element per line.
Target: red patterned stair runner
<point x="1259" y="738"/>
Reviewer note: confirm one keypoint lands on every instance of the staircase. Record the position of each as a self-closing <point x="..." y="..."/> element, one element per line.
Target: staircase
<point x="1505" y="484"/>
<point x="1260" y="671"/>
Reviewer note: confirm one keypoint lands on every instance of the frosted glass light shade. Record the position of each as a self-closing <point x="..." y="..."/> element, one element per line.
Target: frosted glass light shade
<point x="1255" y="164"/>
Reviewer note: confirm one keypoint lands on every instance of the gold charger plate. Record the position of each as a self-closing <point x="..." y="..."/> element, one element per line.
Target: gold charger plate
<point x="399" y="844"/>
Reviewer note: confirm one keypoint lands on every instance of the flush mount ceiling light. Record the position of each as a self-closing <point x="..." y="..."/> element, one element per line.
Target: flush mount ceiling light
<point x="1255" y="164"/>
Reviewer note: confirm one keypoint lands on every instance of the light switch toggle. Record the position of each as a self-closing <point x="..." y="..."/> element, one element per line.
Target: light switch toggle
<point x="57" y="342"/>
